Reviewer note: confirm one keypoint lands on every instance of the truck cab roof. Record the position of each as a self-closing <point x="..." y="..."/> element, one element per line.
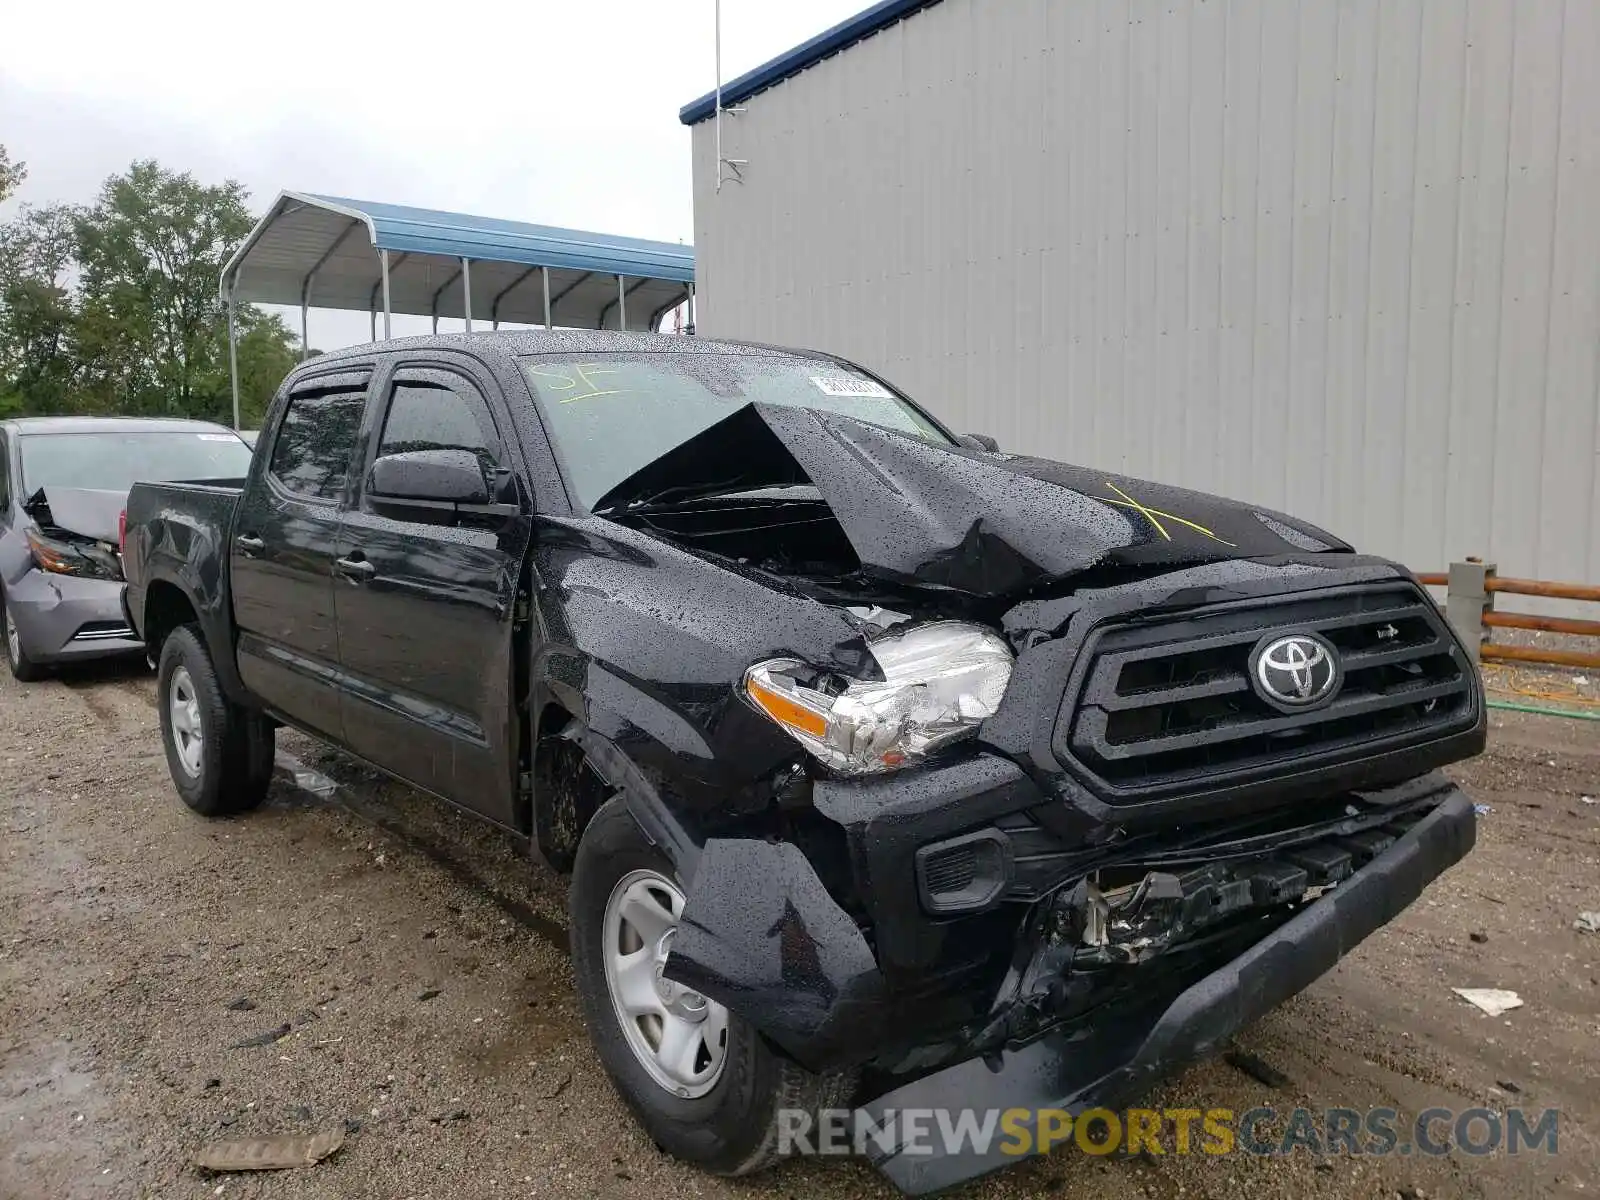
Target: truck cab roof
<point x="558" y="341"/>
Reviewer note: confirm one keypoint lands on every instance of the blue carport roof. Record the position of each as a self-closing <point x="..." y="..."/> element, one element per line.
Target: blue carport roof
<point x="457" y="235"/>
<point x="323" y="251"/>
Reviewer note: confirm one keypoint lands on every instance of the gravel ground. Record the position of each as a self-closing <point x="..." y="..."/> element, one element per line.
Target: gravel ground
<point x="418" y="965"/>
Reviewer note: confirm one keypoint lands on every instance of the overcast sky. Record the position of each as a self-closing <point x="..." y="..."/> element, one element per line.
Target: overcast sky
<point x="562" y="113"/>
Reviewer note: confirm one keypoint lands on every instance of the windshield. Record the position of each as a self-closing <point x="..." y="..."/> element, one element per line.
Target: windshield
<point x="116" y="461"/>
<point x="610" y="415"/>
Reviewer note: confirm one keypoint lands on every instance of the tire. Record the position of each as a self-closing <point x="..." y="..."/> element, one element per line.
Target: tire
<point x="731" y="1129"/>
<point x="228" y="767"/>
<point x="22" y="667"/>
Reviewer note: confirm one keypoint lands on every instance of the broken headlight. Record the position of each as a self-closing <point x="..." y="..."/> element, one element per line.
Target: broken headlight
<point x="62" y="556"/>
<point x="941" y="680"/>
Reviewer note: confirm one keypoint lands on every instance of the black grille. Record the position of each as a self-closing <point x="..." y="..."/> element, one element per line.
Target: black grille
<point x="1165" y="704"/>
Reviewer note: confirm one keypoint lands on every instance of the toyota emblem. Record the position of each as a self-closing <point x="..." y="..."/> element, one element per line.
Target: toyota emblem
<point x="1296" y="672"/>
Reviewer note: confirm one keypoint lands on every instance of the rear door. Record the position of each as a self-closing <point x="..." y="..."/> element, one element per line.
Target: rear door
<point x="426" y="602"/>
<point x="285" y="542"/>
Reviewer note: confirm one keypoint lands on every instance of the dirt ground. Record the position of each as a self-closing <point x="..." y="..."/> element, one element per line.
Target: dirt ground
<point x="419" y="963"/>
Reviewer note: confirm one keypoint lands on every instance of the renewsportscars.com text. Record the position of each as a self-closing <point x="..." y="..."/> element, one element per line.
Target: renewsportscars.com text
<point x="1214" y="1131"/>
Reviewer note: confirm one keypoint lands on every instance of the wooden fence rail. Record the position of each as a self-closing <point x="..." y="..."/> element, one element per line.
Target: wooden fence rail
<point x="1471" y="589"/>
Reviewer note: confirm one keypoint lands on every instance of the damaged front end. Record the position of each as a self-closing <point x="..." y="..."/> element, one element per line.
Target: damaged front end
<point x="1030" y="835"/>
<point x="1134" y="1024"/>
<point x="1078" y="1000"/>
<point x="1007" y="924"/>
<point x="1155" y="951"/>
<point x="78" y="532"/>
<point x="1160" y="908"/>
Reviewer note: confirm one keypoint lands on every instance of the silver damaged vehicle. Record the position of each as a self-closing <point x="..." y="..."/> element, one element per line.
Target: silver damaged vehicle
<point x="64" y="484"/>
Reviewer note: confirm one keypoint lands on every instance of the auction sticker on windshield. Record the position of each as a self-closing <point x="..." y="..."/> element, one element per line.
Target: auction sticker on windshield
<point x="851" y="385"/>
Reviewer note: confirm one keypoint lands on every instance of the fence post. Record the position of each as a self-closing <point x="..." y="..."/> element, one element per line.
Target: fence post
<point x="1468" y="598"/>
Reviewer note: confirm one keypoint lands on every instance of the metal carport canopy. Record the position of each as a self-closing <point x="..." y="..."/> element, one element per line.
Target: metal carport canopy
<point x="331" y="252"/>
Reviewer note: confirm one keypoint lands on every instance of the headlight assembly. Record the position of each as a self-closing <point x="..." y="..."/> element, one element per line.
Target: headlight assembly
<point x="59" y="556"/>
<point x="941" y="680"/>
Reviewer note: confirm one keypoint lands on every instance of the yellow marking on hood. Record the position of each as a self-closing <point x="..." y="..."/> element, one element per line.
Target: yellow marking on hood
<point x="1154" y="516"/>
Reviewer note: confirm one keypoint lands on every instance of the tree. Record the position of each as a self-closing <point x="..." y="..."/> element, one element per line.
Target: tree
<point x="266" y="354"/>
<point x="151" y="250"/>
<point x="38" y="315"/>
<point x="114" y="307"/>
<point x="11" y="175"/>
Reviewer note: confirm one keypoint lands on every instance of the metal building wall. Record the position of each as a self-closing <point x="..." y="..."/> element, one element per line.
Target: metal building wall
<point x="1340" y="257"/>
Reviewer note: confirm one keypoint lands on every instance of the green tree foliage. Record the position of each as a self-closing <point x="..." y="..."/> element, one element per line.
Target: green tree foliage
<point x="38" y="316"/>
<point x="11" y="175"/>
<point x="113" y="307"/>
<point x="266" y="354"/>
<point x="151" y="249"/>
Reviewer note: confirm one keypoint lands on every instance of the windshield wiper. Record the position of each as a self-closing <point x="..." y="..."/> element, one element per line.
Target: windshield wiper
<point x="685" y="493"/>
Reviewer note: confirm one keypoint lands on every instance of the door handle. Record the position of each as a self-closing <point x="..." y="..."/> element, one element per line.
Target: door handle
<point x="356" y="570"/>
<point x="248" y="545"/>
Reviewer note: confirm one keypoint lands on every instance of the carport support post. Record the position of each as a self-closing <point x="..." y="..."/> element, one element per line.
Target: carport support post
<point x="305" y="340"/>
<point x="383" y="262"/>
<point x="1469" y="597"/>
<point x="545" y="272"/>
<point x="622" y="304"/>
<point x="233" y="355"/>
<point x="691" y="308"/>
<point x="466" y="291"/>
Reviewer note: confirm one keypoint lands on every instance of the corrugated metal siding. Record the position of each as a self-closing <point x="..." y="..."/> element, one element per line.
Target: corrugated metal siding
<point x="1339" y="257"/>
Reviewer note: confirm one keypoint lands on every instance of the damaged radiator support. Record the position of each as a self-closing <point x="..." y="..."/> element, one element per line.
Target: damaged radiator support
<point x="1136" y="926"/>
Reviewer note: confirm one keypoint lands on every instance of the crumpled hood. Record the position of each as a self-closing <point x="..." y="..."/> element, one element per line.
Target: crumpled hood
<point x="92" y="512"/>
<point x="984" y="523"/>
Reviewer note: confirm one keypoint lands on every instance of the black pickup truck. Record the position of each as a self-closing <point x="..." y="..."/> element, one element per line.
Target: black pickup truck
<point x="892" y="770"/>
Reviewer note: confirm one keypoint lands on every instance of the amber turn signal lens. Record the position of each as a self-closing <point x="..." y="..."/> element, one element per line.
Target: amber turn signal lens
<point x="47" y="556"/>
<point x="786" y="711"/>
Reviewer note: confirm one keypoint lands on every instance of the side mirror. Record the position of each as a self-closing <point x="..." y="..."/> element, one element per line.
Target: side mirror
<point x="429" y="478"/>
<point x="978" y="441"/>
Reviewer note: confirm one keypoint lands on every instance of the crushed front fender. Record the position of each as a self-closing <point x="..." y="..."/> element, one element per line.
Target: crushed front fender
<point x="760" y="934"/>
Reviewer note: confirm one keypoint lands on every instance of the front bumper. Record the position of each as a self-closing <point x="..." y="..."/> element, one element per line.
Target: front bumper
<point x="1069" y="1072"/>
<point x="63" y="618"/>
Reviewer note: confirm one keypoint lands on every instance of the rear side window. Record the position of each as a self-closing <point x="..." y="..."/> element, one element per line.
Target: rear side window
<point x="312" y="451"/>
<point x="446" y="415"/>
<point x="5" y="476"/>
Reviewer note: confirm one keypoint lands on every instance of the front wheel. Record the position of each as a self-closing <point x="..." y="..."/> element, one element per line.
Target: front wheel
<point x="219" y="754"/>
<point x="704" y="1084"/>
<point x="23" y="668"/>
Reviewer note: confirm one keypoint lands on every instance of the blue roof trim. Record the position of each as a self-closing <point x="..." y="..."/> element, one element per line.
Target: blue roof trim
<point x="458" y="235"/>
<point x="842" y="36"/>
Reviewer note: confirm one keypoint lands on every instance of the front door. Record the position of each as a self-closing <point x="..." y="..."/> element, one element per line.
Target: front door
<point x="426" y="605"/>
<point x="286" y="538"/>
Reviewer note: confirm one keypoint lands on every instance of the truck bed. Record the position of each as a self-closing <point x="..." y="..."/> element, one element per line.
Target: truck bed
<point x="179" y="532"/>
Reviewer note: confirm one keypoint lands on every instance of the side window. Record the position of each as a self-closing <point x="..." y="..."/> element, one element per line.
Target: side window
<point x="311" y="453"/>
<point x="5" y="478"/>
<point x="425" y="415"/>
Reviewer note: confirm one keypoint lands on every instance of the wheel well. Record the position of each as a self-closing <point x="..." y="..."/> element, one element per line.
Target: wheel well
<point x="165" y="608"/>
<point x="567" y="790"/>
